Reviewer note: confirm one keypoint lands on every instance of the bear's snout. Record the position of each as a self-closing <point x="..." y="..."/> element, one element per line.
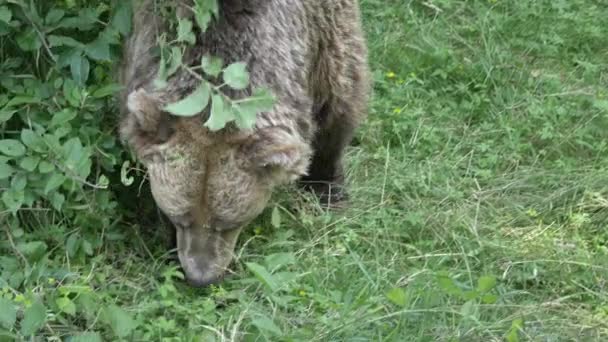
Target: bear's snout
<point x="205" y="253"/>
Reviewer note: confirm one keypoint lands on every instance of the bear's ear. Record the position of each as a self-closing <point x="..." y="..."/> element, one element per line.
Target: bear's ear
<point x="276" y="149"/>
<point x="145" y="108"/>
<point x="146" y="114"/>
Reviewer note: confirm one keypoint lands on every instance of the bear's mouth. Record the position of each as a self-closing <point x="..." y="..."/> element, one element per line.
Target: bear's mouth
<point x="205" y="253"/>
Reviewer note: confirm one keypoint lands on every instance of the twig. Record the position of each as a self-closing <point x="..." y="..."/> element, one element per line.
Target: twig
<point x="14" y="247"/>
<point x="73" y="176"/>
<point x="41" y="36"/>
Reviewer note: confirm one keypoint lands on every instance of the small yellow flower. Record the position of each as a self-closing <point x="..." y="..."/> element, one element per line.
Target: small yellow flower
<point x="532" y="212"/>
<point x="391" y="74"/>
<point x="302" y="293"/>
<point x="51" y="281"/>
<point x="397" y="110"/>
<point x="258" y="230"/>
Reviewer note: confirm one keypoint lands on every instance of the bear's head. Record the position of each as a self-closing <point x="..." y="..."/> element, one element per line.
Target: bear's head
<point x="210" y="184"/>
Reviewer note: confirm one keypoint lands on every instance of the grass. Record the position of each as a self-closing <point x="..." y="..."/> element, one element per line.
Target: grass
<point x="479" y="202"/>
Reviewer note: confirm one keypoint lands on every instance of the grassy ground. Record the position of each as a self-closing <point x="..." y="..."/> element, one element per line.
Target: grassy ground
<point x="479" y="212"/>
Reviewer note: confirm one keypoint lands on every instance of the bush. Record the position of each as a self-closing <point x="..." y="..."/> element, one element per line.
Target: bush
<point x="64" y="175"/>
<point x="58" y="144"/>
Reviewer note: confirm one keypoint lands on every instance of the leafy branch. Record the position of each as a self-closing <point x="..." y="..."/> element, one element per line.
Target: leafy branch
<point x="223" y="109"/>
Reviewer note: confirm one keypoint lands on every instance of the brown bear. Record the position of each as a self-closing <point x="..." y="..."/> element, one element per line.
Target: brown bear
<point x="311" y="54"/>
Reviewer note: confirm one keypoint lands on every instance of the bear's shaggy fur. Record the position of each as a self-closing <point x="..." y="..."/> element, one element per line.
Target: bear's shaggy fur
<point x="310" y="53"/>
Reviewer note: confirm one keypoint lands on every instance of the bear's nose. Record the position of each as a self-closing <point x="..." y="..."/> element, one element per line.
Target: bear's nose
<point x="205" y="253"/>
<point x="198" y="268"/>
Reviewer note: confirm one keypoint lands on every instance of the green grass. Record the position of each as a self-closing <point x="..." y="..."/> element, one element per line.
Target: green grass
<point x="479" y="203"/>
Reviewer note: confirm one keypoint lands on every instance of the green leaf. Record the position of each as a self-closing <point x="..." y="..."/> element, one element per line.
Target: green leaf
<point x="486" y="283"/>
<point x="107" y="90"/>
<point x="87" y="337"/>
<point x="266" y="324"/>
<point x="19" y="181"/>
<point x="277" y="260"/>
<point x="121" y="322"/>
<point x="88" y="304"/>
<point x="204" y="11"/>
<point x="469" y="309"/>
<point x="448" y="285"/>
<point x="5" y="170"/>
<point x="218" y="117"/>
<point x="61" y="132"/>
<point x="202" y="20"/>
<point x="162" y="74"/>
<point x="8" y="313"/>
<point x="63" y="117"/>
<point x="212" y="66"/>
<point x="5" y="14"/>
<point x="29" y="40"/>
<point x="87" y="18"/>
<point x="66" y="305"/>
<point x="184" y="31"/>
<point x="99" y="49"/>
<point x="76" y="156"/>
<point x="516" y="326"/>
<point x="12" y="148"/>
<point x="13" y="200"/>
<point x="6" y="115"/>
<point x="34" y="318"/>
<point x="243" y="118"/>
<point x="32" y="140"/>
<point x="29" y="163"/>
<point x="489" y="298"/>
<point x="208" y="6"/>
<point x="54" y="16"/>
<point x="80" y="68"/>
<point x="18" y="232"/>
<point x="512" y="336"/>
<point x="237" y="76"/>
<point x="22" y="99"/>
<point x="191" y="104"/>
<point x="55" y="41"/>
<point x="246" y="110"/>
<point x="121" y="19"/>
<point x="260" y="100"/>
<point x="33" y="250"/>
<point x="54" y="182"/>
<point x="263" y="275"/>
<point x="57" y="200"/>
<point x="176" y="60"/>
<point x="275" y="219"/>
<point x="470" y="295"/>
<point x="397" y="296"/>
<point x="72" y="244"/>
<point x="33" y="11"/>
<point x="87" y="248"/>
<point x="46" y="167"/>
<point x="71" y="91"/>
<point x="601" y="104"/>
